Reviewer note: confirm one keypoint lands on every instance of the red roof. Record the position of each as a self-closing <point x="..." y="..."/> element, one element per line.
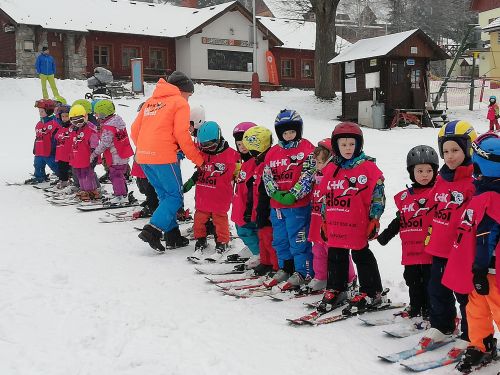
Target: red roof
<point x="484" y="5"/>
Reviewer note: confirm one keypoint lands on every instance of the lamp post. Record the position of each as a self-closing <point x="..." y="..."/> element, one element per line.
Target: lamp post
<point x="255" y="89"/>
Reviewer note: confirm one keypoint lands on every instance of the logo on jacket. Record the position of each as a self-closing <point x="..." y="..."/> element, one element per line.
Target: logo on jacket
<point x="152" y="108"/>
<point x="219" y="168"/>
<point x="295" y="160"/>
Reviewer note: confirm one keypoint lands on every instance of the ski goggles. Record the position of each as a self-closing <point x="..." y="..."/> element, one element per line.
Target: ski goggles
<point x="482" y="153"/>
<point x="209" y="145"/>
<point x="77" y="121"/>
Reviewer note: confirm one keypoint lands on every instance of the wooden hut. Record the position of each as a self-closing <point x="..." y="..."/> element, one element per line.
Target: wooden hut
<point x="386" y="75"/>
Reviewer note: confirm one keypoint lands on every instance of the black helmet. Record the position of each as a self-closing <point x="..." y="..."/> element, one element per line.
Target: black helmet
<point x="422" y="155"/>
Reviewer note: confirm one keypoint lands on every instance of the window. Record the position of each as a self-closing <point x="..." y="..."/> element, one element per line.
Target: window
<point x="29" y="45"/>
<point x="229" y="60"/>
<point x="415" y="78"/>
<point x="157" y="58"/>
<point x="307" y="69"/>
<point x="127" y="54"/>
<point x="288" y="68"/>
<point x="102" y="55"/>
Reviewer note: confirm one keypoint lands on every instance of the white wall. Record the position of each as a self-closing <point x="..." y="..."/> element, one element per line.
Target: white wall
<point x="183" y="55"/>
<point x="221" y="29"/>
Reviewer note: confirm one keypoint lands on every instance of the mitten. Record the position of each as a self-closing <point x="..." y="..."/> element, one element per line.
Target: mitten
<point x="372" y="230"/>
<point x="480" y="281"/>
<point x="187" y="185"/>
<point x="288" y="199"/>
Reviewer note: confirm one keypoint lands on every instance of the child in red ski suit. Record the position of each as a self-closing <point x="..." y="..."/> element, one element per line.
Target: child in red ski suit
<point x="493" y="114"/>
<point x="447" y="200"/>
<point x="214" y="190"/>
<point x="323" y="155"/>
<point x="412" y="222"/>
<point x="258" y="140"/>
<point x="355" y="200"/>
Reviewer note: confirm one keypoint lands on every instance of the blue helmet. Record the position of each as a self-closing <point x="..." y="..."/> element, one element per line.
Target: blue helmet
<point x="493" y="98"/>
<point x="288" y="119"/>
<point x="209" y="136"/>
<point x="486" y="156"/>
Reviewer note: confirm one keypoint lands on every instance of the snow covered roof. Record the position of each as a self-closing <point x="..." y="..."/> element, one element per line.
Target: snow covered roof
<point x="118" y="16"/>
<point x="493" y="25"/>
<point x="297" y="34"/>
<point x="372" y="47"/>
<point x="285" y="9"/>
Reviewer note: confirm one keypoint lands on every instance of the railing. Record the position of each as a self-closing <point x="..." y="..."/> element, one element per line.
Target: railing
<point x="8" y="69"/>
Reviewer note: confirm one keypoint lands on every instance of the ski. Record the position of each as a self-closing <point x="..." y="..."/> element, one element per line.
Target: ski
<point x="223" y="279"/>
<point x="422" y="347"/>
<point x="405" y="330"/>
<point x="104" y="206"/>
<point x="398" y="317"/>
<point x="343" y="316"/>
<point x="218" y="269"/>
<point x="239" y="286"/>
<point x="452" y="356"/>
<point x="290" y="294"/>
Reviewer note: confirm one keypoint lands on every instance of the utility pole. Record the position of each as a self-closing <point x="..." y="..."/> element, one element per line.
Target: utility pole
<point x="471" y="91"/>
<point x="255" y="89"/>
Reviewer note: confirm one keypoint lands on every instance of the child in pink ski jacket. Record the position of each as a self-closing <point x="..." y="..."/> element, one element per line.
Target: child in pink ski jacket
<point x="412" y="222"/>
<point x="493" y="114"/>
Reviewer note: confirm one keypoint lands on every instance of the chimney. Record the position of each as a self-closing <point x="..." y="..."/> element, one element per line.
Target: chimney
<point x="189" y="3"/>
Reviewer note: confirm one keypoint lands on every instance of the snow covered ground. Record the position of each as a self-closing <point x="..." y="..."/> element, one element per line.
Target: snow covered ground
<point x="81" y="297"/>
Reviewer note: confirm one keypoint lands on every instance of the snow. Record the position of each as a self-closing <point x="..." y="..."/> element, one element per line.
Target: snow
<point x="297" y="34"/>
<point x="286" y="9"/>
<point x="119" y="16"/>
<point x="372" y="47"/>
<point x="80" y="297"/>
<point x="493" y="25"/>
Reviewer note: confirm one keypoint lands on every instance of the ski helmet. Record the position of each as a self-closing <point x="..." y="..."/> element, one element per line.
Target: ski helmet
<point x="197" y="116"/>
<point x="486" y="156"/>
<point x="104" y="108"/>
<point x="77" y="114"/>
<point x="288" y="119"/>
<point x="257" y="139"/>
<point x="62" y="109"/>
<point x="422" y="155"/>
<point x="209" y="136"/>
<point x="241" y="128"/>
<point x="326" y="143"/>
<point x="85" y="104"/>
<point x="493" y="98"/>
<point x="46" y="104"/>
<point x="459" y="131"/>
<point x="347" y="130"/>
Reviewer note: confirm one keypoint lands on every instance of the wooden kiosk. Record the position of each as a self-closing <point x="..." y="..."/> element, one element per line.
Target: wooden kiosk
<point x="387" y="76"/>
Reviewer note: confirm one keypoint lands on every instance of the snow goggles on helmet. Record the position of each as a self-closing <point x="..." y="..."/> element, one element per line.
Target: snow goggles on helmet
<point x="79" y="120"/>
<point x="209" y="145"/>
<point x="476" y="146"/>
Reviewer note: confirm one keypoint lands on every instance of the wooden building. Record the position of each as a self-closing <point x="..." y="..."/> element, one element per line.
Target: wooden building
<point x="389" y="71"/>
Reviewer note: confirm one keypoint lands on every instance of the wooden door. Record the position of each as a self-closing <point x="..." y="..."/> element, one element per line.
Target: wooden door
<point x="418" y="85"/>
<point x="399" y="85"/>
<point x="55" y="42"/>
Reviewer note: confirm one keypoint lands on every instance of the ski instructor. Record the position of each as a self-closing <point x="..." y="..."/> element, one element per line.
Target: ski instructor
<point x="159" y="130"/>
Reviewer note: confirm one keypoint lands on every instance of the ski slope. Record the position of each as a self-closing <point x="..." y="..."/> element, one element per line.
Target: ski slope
<point x="81" y="297"/>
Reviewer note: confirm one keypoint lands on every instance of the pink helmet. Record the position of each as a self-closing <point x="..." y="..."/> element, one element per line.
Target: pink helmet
<point x="241" y="128"/>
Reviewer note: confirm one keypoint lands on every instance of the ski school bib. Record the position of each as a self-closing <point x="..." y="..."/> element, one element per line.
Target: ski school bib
<point x="317" y="201"/>
<point x="43" y="137"/>
<point x="214" y="187"/>
<point x="80" y="157"/>
<point x="348" y="200"/>
<point x="286" y="166"/>
<point x="447" y="200"/>
<point x="414" y="222"/>
<point x="240" y="197"/>
<point x="63" y="144"/>
<point x="458" y="273"/>
<point x="257" y="174"/>
<point x="121" y="142"/>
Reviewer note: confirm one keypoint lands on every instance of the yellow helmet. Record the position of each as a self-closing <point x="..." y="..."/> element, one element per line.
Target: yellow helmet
<point x="77" y="110"/>
<point x="85" y="104"/>
<point x="257" y="139"/>
<point x="460" y="131"/>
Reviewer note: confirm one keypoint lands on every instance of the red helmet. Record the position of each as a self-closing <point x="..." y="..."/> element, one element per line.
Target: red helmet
<point x="347" y="130"/>
<point x="326" y="143"/>
<point x="45" y="104"/>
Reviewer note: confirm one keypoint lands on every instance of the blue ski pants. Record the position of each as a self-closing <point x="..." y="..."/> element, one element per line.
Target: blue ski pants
<point x="290" y="230"/>
<point x="249" y="235"/>
<point x="40" y="162"/>
<point x="167" y="182"/>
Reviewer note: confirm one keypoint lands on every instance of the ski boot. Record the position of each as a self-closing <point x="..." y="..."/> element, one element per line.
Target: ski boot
<point x="117" y="200"/>
<point x="262" y="269"/>
<point x="200" y="245"/>
<point x="174" y="239"/>
<point x="315" y="285"/>
<point x="152" y="235"/>
<point x="104" y="179"/>
<point x="294" y="282"/>
<point x="281" y="275"/>
<point x="362" y="302"/>
<point x="474" y="357"/>
<point x="35" y="181"/>
<point x="331" y="300"/>
<point x="220" y="250"/>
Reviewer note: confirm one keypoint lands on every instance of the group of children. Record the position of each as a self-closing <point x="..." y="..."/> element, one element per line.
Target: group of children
<point x="71" y="140"/>
<point x="310" y="213"/>
<point x="307" y="213"/>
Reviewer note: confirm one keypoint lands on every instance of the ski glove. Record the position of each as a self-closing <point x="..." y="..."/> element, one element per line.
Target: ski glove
<point x="480" y="280"/>
<point x="188" y="185"/>
<point x="372" y="230"/>
<point x="284" y="197"/>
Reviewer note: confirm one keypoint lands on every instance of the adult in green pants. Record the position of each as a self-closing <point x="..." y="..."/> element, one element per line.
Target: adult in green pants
<point x="46" y="68"/>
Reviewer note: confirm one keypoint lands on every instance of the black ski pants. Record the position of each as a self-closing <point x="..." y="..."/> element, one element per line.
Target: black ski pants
<point x="149" y="191"/>
<point x="417" y="278"/>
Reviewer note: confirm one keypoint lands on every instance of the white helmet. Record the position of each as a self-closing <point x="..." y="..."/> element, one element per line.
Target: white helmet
<point x="197" y="116"/>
